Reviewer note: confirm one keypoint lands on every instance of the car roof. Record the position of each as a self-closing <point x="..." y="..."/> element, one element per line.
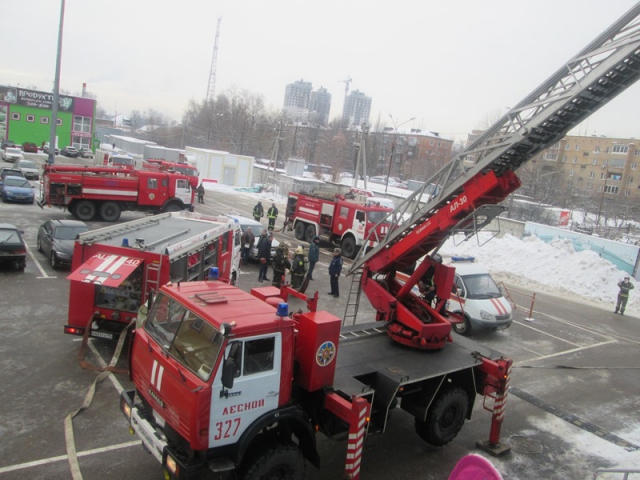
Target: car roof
<point x="245" y="220"/>
<point x="469" y="268"/>
<point x="8" y="226"/>
<point x="68" y="223"/>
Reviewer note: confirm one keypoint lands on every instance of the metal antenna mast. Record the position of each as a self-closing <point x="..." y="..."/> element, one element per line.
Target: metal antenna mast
<point x="211" y="89"/>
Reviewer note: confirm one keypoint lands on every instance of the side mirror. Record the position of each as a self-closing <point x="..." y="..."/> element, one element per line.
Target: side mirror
<point x="228" y="372"/>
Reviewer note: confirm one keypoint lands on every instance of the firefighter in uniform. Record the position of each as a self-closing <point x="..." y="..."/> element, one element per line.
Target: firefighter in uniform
<point x="280" y="263"/>
<point x="258" y="212"/>
<point x="272" y="214"/>
<point x="298" y="268"/>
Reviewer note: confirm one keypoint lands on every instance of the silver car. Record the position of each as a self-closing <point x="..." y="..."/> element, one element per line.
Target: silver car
<point x="256" y="228"/>
<point x="29" y="169"/>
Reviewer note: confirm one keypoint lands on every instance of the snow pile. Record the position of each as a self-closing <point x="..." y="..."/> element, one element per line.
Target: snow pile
<point x="554" y="267"/>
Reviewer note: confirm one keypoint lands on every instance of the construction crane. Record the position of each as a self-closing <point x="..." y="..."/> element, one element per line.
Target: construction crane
<point x="211" y="88"/>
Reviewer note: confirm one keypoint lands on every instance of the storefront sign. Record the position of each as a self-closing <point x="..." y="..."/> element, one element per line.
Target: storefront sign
<point x="34" y="98"/>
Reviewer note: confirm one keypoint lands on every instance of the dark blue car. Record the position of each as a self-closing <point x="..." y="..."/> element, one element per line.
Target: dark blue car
<point x="16" y="189"/>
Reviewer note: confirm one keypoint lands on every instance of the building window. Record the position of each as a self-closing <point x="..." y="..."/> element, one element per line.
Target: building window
<point x="627" y="192"/>
<point x="630" y="180"/>
<point x="608" y="150"/>
<point x="636" y="153"/>
<point x="585" y="154"/>
<point x="602" y="176"/>
<point x="634" y="166"/>
<point x="613" y="189"/>
<point x="620" y="148"/>
<point x="555" y="146"/>
<point x="564" y="159"/>
<point x="550" y="156"/>
<point x="58" y="121"/>
<point x="577" y="147"/>
<point x="15" y="116"/>
<point x="571" y="173"/>
<point x="592" y="175"/>
<point x="567" y="146"/>
<point x="595" y="161"/>
<point x="81" y="142"/>
<point x="597" y="149"/>
<point x="590" y="186"/>
<point x="81" y="124"/>
<point x="31" y="118"/>
<point x="575" y="160"/>
<point x="44" y="120"/>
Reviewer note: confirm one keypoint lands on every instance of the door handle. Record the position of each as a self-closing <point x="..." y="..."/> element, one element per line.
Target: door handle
<point x="272" y="394"/>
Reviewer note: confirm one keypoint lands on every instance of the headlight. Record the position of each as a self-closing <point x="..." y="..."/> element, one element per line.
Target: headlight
<point x="171" y="465"/>
<point x="486" y="316"/>
<point x="62" y="255"/>
<point x="126" y="409"/>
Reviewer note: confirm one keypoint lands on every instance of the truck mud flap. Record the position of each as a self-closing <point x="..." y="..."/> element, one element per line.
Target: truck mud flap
<point x="108" y="368"/>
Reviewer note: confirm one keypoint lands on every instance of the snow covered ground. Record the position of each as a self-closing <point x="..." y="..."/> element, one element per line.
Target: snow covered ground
<point x="554" y="268"/>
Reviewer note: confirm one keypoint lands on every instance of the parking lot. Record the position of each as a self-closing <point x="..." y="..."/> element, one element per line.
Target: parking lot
<point x="572" y="408"/>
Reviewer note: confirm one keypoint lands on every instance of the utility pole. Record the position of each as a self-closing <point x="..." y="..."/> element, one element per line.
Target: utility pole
<point x="275" y="156"/>
<point x="357" y="159"/>
<point x="56" y="89"/>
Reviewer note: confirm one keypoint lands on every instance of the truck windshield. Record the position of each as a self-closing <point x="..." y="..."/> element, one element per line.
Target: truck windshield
<point x="122" y="161"/>
<point x="375" y="217"/>
<point x="481" y="286"/>
<point x="187" y="171"/>
<point x="190" y="340"/>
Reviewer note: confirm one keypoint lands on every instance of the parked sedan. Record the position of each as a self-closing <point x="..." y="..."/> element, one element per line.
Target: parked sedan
<point x="29" y="169"/>
<point x="7" y="143"/>
<point x="12" y="154"/>
<point x="10" y="172"/>
<point x="12" y="246"/>
<point x="56" y="239"/>
<point x="16" y="189"/>
<point x="256" y="228"/>
<point x="29" y="147"/>
<point x="86" y="153"/>
<point x="70" y="152"/>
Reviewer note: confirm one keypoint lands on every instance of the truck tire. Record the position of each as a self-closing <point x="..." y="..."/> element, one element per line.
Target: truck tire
<point x="84" y="210"/>
<point x="445" y="417"/>
<point x="349" y="247"/>
<point x="110" y="211"/>
<point x="299" y="230"/>
<point x="463" y="328"/>
<point x="173" y="207"/>
<point x="309" y="233"/>
<point x="282" y="461"/>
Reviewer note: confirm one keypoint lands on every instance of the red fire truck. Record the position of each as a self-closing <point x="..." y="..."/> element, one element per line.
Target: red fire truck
<point x="165" y="166"/>
<point x="115" y="268"/>
<point x="107" y="191"/>
<point x="230" y="381"/>
<point x="342" y="219"/>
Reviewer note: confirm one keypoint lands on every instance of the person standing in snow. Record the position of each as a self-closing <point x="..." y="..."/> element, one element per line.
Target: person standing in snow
<point x="623" y="295"/>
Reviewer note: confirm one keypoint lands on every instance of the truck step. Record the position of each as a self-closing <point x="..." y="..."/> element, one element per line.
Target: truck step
<point x="221" y="464"/>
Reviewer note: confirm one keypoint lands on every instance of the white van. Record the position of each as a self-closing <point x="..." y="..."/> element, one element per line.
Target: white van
<point x="478" y="298"/>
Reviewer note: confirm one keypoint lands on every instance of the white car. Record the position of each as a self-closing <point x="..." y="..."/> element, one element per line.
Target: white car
<point x="29" y="169"/>
<point x="11" y="154"/>
<point x="256" y="228"/>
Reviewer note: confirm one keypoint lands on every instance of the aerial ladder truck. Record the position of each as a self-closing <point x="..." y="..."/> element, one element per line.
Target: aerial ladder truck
<point x="478" y="179"/>
<point x="227" y="381"/>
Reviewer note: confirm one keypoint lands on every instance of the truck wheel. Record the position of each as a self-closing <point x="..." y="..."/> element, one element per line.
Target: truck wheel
<point x="84" y="210"/>
<point x="173" y="207"/>
<point x="280" y="462"/>
<point x="309" y="233"/>
<point x="445" y="418"/>
<point x="463" y="328"/>
<point x="349" y="247"/>
<point x="110" y="211"/>
<point x="299" y="230"/>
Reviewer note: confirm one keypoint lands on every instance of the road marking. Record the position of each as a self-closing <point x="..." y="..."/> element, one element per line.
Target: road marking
<point x="44" y="274"/>
<point x="573" y="419"/>
<point x="564" y="352"/>
<point x="60" y="458"/>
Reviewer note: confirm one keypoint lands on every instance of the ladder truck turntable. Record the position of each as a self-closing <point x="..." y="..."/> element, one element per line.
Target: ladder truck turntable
<point x="87" y="191"/>
<point x="228" y="381"/>
<point x="115" y="269"/>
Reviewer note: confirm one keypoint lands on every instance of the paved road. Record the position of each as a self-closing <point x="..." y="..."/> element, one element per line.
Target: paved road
<point x="572" y="408"/>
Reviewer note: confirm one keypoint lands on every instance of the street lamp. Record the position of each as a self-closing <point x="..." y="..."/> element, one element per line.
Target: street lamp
<point x="393" y="146"/>
<point x="56" y="92"/>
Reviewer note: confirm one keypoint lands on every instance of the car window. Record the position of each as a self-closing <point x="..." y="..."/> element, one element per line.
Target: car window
<point x="8" y="235"/>
<point x="26" y="164"/>
<point x="68" y="233"/>
<point x="13" y="150"/>
<point x="17" y="182"/>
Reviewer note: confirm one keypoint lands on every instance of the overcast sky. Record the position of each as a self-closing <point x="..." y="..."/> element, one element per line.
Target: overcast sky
<point x="450" y="64"/>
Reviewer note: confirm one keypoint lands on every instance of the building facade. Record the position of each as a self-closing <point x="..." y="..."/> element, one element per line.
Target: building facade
<point x="320" y="106"/>
<point x="25" y="116"/>
<point x="297" y="96"/>
<point x="596" y="166"/>
<point x="356" y="110"/>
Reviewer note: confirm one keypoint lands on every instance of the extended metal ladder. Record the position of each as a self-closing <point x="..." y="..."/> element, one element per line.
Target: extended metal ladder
<point x="353" y="299"/>
<point x="593" y="77"/>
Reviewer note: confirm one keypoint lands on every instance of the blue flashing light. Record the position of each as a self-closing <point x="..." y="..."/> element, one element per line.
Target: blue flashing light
<point x="214" y="274"/>
<point x="468" y="258"/>
<point x="283" y="310"/>
<point x="125" y="242"/>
